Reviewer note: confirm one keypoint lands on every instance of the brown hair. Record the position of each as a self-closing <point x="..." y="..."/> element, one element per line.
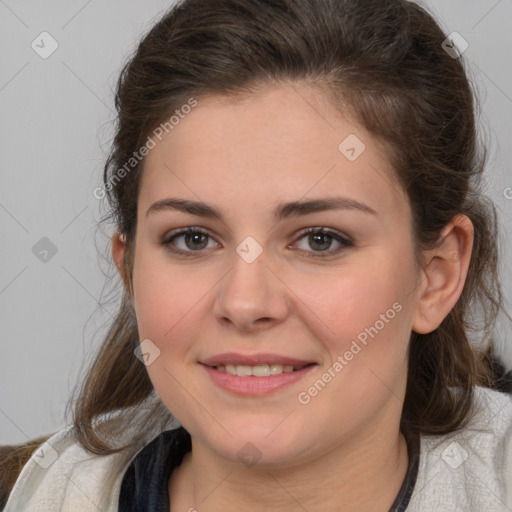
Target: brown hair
<point x="382" y="62"/>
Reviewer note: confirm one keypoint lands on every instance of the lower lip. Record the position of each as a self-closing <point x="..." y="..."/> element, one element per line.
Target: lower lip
<point x="255" y="386"/>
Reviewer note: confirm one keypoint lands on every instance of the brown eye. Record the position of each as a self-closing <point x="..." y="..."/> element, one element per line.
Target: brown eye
<point x="321" y="240"/>
<point x="195" y="241"/>
<point x="187" y="241"/>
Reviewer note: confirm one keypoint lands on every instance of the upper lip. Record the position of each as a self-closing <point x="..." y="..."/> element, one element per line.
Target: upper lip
<point x="253" y="360"/>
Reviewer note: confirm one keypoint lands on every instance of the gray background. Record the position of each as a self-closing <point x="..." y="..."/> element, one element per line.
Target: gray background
<point x="55" y="127"/>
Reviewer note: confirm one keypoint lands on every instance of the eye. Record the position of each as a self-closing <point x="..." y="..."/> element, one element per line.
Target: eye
<point x="321" y="240"/>
<point x="187" y="240"/>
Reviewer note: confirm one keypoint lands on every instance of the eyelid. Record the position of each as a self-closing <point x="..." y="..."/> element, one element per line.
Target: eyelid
<point x="341" y="238"/>
<point x="166" y="239"/>
<point x="323" y="229"/>
<point x="344" y="240"/>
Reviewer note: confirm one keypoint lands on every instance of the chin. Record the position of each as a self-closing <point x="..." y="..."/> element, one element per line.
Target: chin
<point x="254" y="446"/>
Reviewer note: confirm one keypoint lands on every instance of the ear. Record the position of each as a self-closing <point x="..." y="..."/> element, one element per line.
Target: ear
<point x="119" y="257"/>
<point x="445" y="272"/>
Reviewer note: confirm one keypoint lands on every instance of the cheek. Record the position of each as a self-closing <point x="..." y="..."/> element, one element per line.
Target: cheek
<point x="354" y="298"/>
<point x="163" y="294"/>
<point x="365" y="326"/>
<point x="165" y="298"/>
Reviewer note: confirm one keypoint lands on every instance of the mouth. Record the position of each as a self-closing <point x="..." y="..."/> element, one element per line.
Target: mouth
<point x="257" y="374"/>
<point x="260" y="370"/>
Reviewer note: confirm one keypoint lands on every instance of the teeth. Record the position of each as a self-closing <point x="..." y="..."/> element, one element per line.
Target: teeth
<point x="243" y="371"/>
<point x="261" y="370"/>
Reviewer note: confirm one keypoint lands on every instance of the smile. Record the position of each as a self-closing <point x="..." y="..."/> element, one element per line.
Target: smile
<point x="261" y="370"/>
<point x="256" y="380"/>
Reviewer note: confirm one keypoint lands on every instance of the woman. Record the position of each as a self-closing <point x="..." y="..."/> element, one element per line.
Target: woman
<point x="302" y="243"/>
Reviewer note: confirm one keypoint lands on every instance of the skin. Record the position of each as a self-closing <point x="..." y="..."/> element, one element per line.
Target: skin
<point x="245" y="156"/>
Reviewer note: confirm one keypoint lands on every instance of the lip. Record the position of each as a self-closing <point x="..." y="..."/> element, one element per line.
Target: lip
<point x="253" y="360"/>
<point x="256" y="386"/>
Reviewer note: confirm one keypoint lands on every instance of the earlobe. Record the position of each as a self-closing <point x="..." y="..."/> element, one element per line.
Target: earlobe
<point x="445" y="272"/>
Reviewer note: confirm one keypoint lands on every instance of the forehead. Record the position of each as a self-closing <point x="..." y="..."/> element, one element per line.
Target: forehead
<point x="280" y="143"/>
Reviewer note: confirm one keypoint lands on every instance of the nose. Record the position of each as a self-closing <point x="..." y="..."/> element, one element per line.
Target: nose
<point x="251" y="297"/>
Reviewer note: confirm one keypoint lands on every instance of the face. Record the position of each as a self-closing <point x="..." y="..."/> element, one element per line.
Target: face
<point x="326" y="288"/>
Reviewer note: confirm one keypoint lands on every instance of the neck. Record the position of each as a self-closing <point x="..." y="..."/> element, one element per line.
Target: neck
<point x="365" y="476"/>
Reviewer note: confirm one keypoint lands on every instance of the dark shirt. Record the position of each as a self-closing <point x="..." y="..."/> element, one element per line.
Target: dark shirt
<point x="145" y="484"/>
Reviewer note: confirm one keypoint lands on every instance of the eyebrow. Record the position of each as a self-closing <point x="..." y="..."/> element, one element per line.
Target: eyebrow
<point x="283" y="210"/>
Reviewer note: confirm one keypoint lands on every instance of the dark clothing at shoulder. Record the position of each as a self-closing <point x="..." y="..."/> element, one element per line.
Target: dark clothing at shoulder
<point x="144" y="486"/>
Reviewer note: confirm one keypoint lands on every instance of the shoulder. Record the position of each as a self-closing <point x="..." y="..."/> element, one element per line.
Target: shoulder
<point x="61" y="471"/>
<point x="12" y="460"/>
<point x="62" y="475"/>
<point x="471" y="469"/>
<point x="145" y="483"/>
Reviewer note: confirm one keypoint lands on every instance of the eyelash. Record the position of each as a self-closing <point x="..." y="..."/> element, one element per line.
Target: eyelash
<point x="345" y="242"/>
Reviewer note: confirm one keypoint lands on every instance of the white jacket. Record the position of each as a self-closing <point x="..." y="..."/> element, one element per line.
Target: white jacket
<point x="468" y="471"/>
